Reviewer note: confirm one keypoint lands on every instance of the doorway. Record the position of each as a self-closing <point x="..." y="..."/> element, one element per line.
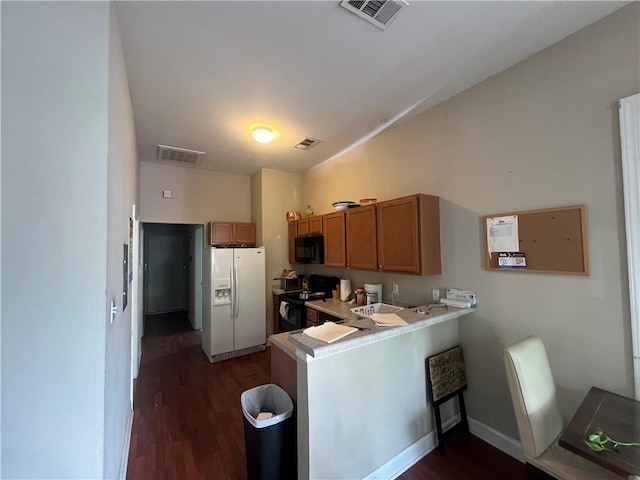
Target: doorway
<point x="172" y="280"/>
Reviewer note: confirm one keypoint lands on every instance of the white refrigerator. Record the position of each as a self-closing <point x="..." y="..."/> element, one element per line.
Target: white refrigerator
<point x="234" y="318"/>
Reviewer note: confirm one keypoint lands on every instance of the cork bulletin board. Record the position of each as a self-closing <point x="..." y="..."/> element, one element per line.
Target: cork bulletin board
<point x="554" y="240"/>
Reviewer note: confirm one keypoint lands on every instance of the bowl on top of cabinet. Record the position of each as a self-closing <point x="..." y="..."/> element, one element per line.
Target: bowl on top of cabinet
<point x="344" y="204"/>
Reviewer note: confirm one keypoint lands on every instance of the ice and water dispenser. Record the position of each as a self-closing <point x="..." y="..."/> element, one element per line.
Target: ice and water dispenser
<point x="221" y="291"/>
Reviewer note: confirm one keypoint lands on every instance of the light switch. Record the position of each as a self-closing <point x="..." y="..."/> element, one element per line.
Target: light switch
<point x="166" y="194"/>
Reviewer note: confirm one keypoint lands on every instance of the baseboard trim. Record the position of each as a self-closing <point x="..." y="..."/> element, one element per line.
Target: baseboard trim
<point x="411" y="455"/>
<point x="508" y="445"/>
<point x="124" y="459"/>
<point x="425" y="445"/>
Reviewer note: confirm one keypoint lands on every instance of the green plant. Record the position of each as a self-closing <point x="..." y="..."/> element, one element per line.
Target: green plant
<point x="598" y="440"/>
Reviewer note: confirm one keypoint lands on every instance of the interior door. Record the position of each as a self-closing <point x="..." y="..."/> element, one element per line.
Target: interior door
<point x="166" y="282"/>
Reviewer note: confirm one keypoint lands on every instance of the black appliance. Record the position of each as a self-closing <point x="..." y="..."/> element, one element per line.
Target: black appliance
<point x="309" y="249"/>
<point x="296" y="317"/>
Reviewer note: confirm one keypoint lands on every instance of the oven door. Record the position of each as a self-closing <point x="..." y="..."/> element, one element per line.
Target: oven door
<point x="295" y="319"/>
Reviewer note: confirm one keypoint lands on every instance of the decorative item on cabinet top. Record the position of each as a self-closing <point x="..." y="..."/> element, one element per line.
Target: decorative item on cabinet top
<point x="344" y="204"/>
<point x="292" y="216"/>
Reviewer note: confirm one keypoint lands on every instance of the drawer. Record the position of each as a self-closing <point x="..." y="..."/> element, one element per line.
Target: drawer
<point x="312" y="316"/>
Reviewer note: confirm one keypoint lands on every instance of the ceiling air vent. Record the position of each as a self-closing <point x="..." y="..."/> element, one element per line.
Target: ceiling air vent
<point x="306" y="143"/>
<point x="379" y="13"/>
<point x="179" y="155"/>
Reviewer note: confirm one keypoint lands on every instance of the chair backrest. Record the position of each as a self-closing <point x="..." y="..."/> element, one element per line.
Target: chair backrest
<point x="533" y="393"/>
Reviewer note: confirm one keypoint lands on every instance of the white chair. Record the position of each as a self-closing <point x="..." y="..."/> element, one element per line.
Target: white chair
<point x="533" y="393"/>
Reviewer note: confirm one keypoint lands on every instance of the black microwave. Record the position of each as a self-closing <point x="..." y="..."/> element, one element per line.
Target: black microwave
<point x="309" y="249"/>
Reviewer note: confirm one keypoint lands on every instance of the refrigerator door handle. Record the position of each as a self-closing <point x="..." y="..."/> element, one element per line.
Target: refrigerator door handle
<point x="236" y="309"/>
<point x="233" y="292"/>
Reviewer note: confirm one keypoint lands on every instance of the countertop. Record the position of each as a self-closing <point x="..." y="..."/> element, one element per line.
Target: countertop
<point x="333" y="306"/>
<point x="317" y="348"/>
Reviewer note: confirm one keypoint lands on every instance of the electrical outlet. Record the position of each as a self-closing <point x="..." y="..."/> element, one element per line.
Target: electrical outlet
<point x="396" y="289"/>
<point x="435" y="294"/>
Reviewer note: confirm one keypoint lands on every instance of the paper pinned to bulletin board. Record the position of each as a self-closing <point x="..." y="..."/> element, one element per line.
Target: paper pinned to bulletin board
<point x="502" y="234"/>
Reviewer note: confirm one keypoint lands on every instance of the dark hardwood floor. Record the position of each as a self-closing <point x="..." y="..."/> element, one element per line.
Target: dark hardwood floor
<point x="165" y="324"/>
<point x="188" y="419"/>
<point x="466" y="458"/>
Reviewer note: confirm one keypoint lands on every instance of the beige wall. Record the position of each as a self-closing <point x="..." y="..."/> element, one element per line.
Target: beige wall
<point x="543" y="133"/>
<point x="199" y="196"/>
<point x="276" y="192"/>
<point x="256" y="204"/>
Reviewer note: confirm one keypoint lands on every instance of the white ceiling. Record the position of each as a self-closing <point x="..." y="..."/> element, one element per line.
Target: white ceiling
<point x="203" y="73"/>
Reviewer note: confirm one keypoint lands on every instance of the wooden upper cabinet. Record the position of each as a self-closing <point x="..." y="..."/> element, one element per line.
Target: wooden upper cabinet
<point x="303" y="227"/>
<point x="335" y="253"/>
<point x="310" y="226"/>
<point x="245" y="233"/>
<point x="408" y="233"/>
<point x="315" y="225"/>
<point x="293" y="233"/>
<point x="227" y="233"/>
<point x="221" y="233"/>
<point x="361" y="238"/>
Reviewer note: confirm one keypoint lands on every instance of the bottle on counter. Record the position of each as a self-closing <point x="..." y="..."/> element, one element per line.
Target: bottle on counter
<point x="360" y="296"/>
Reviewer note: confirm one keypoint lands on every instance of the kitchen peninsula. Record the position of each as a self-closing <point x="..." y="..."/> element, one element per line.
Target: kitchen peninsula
<point x="362" y="409"/>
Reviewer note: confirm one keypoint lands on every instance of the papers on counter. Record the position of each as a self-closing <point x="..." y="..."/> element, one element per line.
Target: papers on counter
<point x="329" y="332"/>
<point x="387" y="319"/>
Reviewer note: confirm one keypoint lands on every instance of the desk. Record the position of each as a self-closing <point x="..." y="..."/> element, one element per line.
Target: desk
<point x="619" y="417"/>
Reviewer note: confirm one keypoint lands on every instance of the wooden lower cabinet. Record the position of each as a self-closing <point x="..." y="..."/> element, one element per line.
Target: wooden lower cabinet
<point x="316" y="317"/>
<point x="312" y="317"/>
<point x="284" y="372"/>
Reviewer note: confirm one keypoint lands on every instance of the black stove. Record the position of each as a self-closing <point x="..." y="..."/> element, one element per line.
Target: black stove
<point x="320" y="287"/>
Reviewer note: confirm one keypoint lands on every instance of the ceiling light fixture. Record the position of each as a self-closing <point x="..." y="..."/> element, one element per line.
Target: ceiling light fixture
<point x="262" y="134"/>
